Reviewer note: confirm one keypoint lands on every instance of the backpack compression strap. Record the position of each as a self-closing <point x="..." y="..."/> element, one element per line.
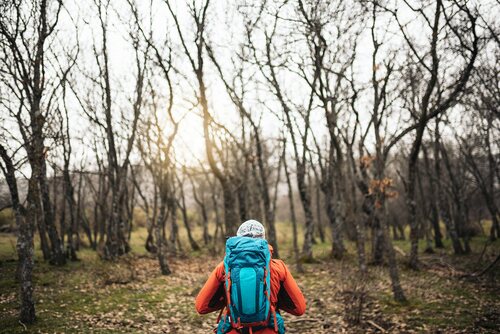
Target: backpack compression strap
<point x="237" y="325"/>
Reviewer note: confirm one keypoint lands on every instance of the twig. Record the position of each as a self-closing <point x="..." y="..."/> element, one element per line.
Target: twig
<point x="486" y="244"/>
<point x="376" y="326"/>
<point x="399" y="250"/>
<point x="25" y="328"/>
<point x="485" y="270"/>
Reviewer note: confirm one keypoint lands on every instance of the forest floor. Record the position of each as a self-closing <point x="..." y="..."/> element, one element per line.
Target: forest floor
<point x="130" y="295"/>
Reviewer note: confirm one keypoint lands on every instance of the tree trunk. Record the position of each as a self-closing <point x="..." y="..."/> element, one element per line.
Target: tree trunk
<point x="495" y="227"/>
<point x="360" y="244"/>
<point x="160" y="240"/>
<point x="338" y="248"/>
<point x="57" y="254"/>
<point x="368" y="207"/>
<point x="203" y="208"/>
<point x="358" y="221"/>
<point x="438" y="243"/>
<point x="116" y="243"/>
<point x="230" y="215"/>
<point x="174" y="228"/>
<point x="61" y="212"/>
<point x="192" y="242"/>
<point x="397" y="290"/>
<point x="321" y="231"/>
<point x="425" y="220"/>
<point x="378" y="236"/>
<point x="26" y="256"/>
<point x="411" y="200"/>
<point x="270" y="224"/>
<point x="25" y="226"/>
<point x="242" y="205"/>
<point x="454" y="229"/>
<point x="337" y="244"/>
<point x="151" y="245"/>
<point x="42" y="231"/>
<point x="292" y="217"/>
<point x="266" y="198"/>
<point x="218" y="224"/>
<point x="70" y="200"/>
<point x="204" y="217"/>
<point x="307" y="252"/>
<point x="490" y="190"/>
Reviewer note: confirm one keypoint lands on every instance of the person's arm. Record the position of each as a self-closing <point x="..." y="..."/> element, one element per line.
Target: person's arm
<point x="290" y="298"/>
<point x="212" y="296"/>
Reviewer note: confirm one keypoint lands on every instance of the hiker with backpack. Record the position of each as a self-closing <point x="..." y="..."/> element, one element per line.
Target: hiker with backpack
<point x="250" y="287"/>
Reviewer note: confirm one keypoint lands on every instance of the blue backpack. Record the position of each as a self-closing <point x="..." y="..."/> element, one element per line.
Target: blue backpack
<point x="248" y="287"/>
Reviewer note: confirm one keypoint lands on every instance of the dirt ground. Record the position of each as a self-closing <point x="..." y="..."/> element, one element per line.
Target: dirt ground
<point x="130" y="296"/>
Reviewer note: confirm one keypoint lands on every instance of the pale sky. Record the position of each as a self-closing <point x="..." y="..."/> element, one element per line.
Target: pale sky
<point x="225" y="34"/>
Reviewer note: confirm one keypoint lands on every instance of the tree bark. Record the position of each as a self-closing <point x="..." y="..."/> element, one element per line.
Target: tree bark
<point x="58" y="256"/>
<point x="321" y="231"/>
<point x="42" y="230"/>
<point x="70" y="200"/>
<point x="397" y="290"/>
<point x="161" y="245"/>
<point x="442" y="203"/>
<point x="25" y="248"/>
<point x="293" y="218"/>
<point x="203" y="210"/>
<point x="411" y="200"/>
<point x="192" y="242"/>
<point x="438" y="243"/>
<point x="174" y="228"/>
<point x="307" y="252"/>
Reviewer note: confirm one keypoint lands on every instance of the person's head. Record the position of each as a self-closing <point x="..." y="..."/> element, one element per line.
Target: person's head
<point x="253" y="229"/>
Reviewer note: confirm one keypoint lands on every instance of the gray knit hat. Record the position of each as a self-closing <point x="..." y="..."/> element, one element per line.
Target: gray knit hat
<point x="253" y="229"/>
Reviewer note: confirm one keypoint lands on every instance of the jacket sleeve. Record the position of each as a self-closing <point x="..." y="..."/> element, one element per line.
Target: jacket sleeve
<point x="212" y="296"/>
<point x="290" y="298"/>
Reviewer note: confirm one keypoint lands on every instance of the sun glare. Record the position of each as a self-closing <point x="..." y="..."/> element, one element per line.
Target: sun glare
<point x="190" y="142"/>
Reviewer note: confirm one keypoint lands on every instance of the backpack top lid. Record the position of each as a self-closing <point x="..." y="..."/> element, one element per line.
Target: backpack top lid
<point x="247" y="252"/>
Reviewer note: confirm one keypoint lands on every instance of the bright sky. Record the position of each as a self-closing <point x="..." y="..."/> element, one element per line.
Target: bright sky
<point x="224" y="33"/>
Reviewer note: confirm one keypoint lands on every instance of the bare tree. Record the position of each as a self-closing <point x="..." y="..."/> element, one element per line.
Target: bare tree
<point x="181" y="202"/>
<point x="293" y="217"/>
<point x="199" y="198"/>
<point x="332" y="46"/>
<point x="24" y="221"/>
<point x="196" y="58"/>
<point x="236" y="90"/>
<point x="443" y="206"/>
<point x="267" y="60"/>
<point x="437" y="95"/>
<point x="118" y="151"/>
<point x="24" y="74"/>
<point x="478" y="146"/>
<point x="380" y="185"/>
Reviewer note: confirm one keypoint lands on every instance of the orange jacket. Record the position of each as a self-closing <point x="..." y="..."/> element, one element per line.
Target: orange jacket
<point x="285" y="293"/>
